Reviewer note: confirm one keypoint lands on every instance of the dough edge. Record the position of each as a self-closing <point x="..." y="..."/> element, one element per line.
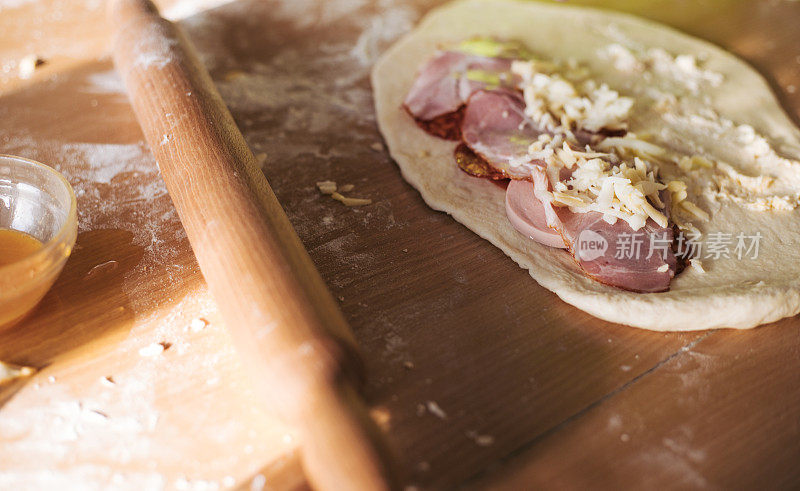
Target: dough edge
<point x="427" y="164"/>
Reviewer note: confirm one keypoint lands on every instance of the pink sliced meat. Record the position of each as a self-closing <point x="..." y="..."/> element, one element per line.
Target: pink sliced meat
<point x="496" y="128"/>
<point x="615" y="255"/>
<point x="527" y="214"/>
<point x="627" y="261"/>
<point x="442" y="85"/>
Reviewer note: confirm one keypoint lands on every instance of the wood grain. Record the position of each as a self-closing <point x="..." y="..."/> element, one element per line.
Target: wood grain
<point x="499" y="355"/>
<point x="286" y="325"/>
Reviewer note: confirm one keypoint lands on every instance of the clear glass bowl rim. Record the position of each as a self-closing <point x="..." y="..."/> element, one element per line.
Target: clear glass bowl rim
<point x="62" y="236"/>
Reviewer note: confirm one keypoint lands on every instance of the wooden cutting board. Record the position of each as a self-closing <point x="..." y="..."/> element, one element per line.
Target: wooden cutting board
<point x="479" y="377"/>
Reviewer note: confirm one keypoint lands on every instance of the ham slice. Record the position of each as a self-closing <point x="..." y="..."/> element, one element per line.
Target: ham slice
<point x="443" y="86"/>
<point x="496" y="128"/>
<point x="461" y="96"/>
<point x="616" y="255"/>
<point x="527" y="214"/>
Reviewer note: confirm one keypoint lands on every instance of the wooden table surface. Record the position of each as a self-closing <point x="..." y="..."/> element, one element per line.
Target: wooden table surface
<point x="479" y="377"/>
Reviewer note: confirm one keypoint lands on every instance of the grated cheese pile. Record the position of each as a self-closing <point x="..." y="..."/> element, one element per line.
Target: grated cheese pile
<point x="604" y="183"/>
<point x="617" y="177"/>
<point x="559" y="106"/>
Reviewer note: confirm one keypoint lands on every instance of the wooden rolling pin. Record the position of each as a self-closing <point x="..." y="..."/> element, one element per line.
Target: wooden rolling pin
<point x="285" y="324"/>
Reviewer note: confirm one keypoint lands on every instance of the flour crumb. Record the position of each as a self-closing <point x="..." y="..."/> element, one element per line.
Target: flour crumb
<point x="346" y="188"/>
<point x="436" y="410"/>
<point x="791" y="89"/>
<point x="625" y="368"/>
<point x="480" y="440"/>
<point x="377" y="146"/>
<point x="409" y="365"/>
<point x="154" y="349"/>
<point x="28" y="65"/>
<point x="624" y="437"/>
<point x="198" y="324"/>
<point x="258" y="483"/>
<point x="261" y="159"/>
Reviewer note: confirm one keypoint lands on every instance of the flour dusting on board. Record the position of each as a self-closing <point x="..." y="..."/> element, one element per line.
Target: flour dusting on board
<point x="13" y="4"/>
<point x="100" y="163"/>
<point x="108" y="82"/>
<point x="309" y="118"/>
<point x="288" y="111"/>
<point x="184" y="8"/>
<point x="331" y="81"/>
<point x="115" y="417"/>
<point x="114" y="185"/>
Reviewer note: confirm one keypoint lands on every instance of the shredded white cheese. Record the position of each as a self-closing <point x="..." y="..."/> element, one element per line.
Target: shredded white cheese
<point x="601" y="183"/>
<point x="630" y="144"/>
<point x="618" y="176"/>
<point x="697" y="265"/>
<point x="558" y="106"/>
<point x="326" y="187"/>
<point x="330" y="188"/>
<point x="695" y="162"/>
<point x="351" y="201"/>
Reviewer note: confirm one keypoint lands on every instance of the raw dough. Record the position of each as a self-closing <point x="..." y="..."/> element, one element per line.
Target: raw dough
<point x="712" y="103"/>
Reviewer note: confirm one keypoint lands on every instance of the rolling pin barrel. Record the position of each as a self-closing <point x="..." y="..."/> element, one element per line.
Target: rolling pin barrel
<point x="286" y="326"/>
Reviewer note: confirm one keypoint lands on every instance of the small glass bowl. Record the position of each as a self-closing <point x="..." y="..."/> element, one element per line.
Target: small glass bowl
<point x="37" y="200"/>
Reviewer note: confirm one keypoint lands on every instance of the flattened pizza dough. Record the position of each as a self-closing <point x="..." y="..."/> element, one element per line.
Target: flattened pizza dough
<point x="691" y="97"/>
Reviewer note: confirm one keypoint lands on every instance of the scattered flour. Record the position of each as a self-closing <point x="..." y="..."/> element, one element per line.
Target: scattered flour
<point x="186" y="8"/>
<point x="100" y="163"/>
<point x="13" y="4"/>
<point x="108" y="82"/>
<point x="434" y="408"/>
<point x="153" y="349"/>
<point x="678" y="458"/>
<point x="479" y="439"/>
<point x="117" y="415"/>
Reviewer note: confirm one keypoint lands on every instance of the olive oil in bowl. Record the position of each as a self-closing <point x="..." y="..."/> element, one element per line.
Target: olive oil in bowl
<point x="16" y="246"/>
